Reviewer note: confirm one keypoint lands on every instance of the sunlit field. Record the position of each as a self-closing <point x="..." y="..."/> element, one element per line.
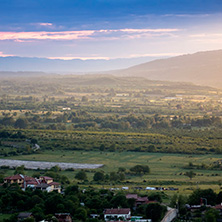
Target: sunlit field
<point x="166" y="169"/>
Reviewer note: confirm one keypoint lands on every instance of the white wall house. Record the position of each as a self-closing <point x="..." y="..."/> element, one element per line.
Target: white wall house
<point x="117" y="214"/>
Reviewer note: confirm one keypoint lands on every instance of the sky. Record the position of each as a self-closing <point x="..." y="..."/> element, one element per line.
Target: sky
<point x="108" y="29"/>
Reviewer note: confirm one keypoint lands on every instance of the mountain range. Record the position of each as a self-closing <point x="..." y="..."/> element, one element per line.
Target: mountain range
<point x="204" y="68"/>
<point x="24" y="64"/>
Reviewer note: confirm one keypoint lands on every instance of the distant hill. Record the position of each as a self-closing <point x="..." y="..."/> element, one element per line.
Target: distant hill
<point x="16" y="64"/>
<point x="203" y="68"/>
<point x="41" y="84"/>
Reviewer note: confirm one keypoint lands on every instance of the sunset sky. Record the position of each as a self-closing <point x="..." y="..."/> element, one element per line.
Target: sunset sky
<point x="108" y="29"/>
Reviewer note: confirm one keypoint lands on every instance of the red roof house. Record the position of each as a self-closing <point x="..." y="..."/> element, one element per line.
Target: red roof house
<point x="138" y="200"/>
<point x="43" y="183"/>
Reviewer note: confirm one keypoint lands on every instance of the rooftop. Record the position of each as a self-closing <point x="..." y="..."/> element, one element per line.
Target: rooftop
<point x="117" y="211"/>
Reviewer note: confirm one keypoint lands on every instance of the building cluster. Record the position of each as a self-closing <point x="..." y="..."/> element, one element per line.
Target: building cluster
<point x="43" y="183"/>
<point x="122" y="214"/>
<point x="60" y="217"/>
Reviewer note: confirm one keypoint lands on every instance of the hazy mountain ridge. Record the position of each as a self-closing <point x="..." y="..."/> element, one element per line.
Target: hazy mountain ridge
<point x="203" y="68"/>
<point x="16" y="64"/>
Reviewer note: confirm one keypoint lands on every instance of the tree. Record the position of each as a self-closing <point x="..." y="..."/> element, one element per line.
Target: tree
<point x="113" y="176"/>
<point x="155" y="211"/>
<point x="139" y="169"/>
<point x="182" y="200"/>
<point x="173" y="201"/>
<point x="55" y="169"/>
<point x="122" y="176"/>
<point x="34" y="141"/>
<point x="30" y="219"/>
<point x="207" y="194"/>
<point x="219" y="198"/>
<point x="151" y="148"/>
<point x="51" y="218"/>
<point x="112" y="148"/>
<point x="156" y="196"/>
<point x="21" y="123"/>
<point x="72" y="190"/>
<point x="102" y="147"/>
<point x="190" y="174"/>
<point x="38" y="213"/>
<point x="81" y="175"/>
<point x="212" y="215"/>
<point x="85" y="99"/>
<point x="119" y="200"/>
<point x="98" y="176"/>
<point x="121" y="169"/>
<point x="19" y="170"/>
<point x="81" y="214"/>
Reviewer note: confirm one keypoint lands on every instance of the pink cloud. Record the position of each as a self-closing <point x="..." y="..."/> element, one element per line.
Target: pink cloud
<point x="82" y="58"/>
<point x="45" y="24"/>
<point x="84" y="34"/>
<point x="155" y="55"/>
<point x="148" y="30"/>
<point x="2" y="54"/>
<point x="65" y="35"/>
<point x="206" y="38"/>
<point x="206" y="35"/>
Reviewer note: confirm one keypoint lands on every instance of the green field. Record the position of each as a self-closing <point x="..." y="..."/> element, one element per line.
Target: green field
<point x="166" y="169"/>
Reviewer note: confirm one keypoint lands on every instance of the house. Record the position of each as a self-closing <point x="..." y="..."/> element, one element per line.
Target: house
<point x="24" y="215"/>
<point x="141" y="200"/>
<point x="219" y="208"/>
<point x="63" y="217"/>
<point x="138" y="200"/>
<point x="15" y="179"/>
<point x="45" y="179"/>
<point x="117" y="214"/>
<point x="22" y="180"/>
<point x="43" y="183"/>
<point x="55" y="186"/>
<point x="43" y="187"/>
<point x="47" y="184"/>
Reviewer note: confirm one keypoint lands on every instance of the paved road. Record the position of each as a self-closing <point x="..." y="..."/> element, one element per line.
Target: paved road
<point x="170" y="215"/>
<point x="47" y="165"/>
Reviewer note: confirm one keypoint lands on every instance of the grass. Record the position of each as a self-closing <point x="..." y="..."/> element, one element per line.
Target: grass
<point x="166" y="169"/>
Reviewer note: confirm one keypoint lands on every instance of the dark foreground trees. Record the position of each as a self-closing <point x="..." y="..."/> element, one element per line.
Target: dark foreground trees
<point x="155" y="211"/>
<point x="208" y="196"/>
<point x="74" y="201"/>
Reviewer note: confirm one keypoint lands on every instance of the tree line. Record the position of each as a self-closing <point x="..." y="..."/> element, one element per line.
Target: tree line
<point x="84" y="120"/>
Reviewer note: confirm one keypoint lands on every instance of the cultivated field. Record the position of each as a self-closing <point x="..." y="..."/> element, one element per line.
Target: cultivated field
<point x="166" y="169"/>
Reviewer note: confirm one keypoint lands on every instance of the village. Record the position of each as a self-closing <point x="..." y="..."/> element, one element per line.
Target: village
<point x="155" y="209"/>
